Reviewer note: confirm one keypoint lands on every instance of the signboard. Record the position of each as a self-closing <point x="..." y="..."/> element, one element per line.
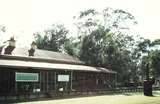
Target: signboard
<point x="63" y="78"/>
<point x="26" y="77"/>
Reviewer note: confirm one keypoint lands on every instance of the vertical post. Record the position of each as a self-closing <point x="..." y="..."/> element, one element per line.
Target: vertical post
<point x="47" y="81"/>
<point x="15" y="82"/>
<point x="66" y="86"/>
<point x="115" y="80"/>
<point x="147" y="83"/>
<point x="147" y="72"/>
<point x="71" y="79"/>
<point x="15" y="86"/>
<point x="55" y="79"/>
<point x="40" y="81"/>
<point x="109" y="79"/>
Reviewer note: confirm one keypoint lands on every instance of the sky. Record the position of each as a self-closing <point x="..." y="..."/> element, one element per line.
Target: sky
<point x="22" y="18"/>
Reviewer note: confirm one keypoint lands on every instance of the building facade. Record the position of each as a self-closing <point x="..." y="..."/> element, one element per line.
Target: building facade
<point x="49" y="72"/>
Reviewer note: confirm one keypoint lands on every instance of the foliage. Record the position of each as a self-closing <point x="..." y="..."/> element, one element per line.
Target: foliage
<point x="156" y="62"/>
<point x="149" y="54"/>
<point x="105" y="49"/>
<point x="53" y="39"/>
<point x="113" y="20"/>
<point x="103" y="41"/>
<point x="2" y="30"/>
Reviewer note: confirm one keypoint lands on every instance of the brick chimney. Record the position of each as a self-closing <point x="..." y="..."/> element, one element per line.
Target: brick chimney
<point x="32" y="49"/>
<point x="11" y="46"/>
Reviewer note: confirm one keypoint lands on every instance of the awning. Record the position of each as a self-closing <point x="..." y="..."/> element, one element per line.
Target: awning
<point x="51" y="66"/>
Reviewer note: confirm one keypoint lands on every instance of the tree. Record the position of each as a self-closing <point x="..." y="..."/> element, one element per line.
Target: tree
<point x="156" y="62"/>
<point x="86" y="22"/>
<point x="146" y="46"/>
<point x="2" y="28"/>
<point x="70" y="47"/>
<point x="114" y="20"/>
<point x="91" y="49"/>
<point x="54" y="39"/>
<point x="105" y="49"/>
<point x="117" y="19"/>
<point x="102" y="43"/>
<point x="155" y="56"/>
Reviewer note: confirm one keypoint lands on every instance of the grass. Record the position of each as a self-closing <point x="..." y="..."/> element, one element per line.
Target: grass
<point x="127" y="98"/>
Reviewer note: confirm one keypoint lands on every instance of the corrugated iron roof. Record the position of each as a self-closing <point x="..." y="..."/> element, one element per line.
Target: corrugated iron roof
<point x="51" y="66"/>
<point x="46" y="60"/>
<point x="47" y="55"/>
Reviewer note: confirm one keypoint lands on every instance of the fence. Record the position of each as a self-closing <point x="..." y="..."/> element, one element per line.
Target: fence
<point x="63" y="94"/>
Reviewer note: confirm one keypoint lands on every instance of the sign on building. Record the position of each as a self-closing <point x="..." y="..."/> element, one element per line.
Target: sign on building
<point x="26" y="77"/>
<point x="63" y="78"/>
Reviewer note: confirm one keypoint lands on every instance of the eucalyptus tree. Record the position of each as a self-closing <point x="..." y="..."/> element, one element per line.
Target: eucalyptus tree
<point x="105" y="49"/>
<point x="113" y="20"/>
<point x="103" y="42"/>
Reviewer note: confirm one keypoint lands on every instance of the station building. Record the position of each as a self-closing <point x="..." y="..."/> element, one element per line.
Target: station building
<point x="33" y="70"/>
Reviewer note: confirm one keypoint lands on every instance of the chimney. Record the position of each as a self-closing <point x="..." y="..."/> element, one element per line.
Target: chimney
<point x="32" y="49"/>
<point x="1" y="48"/>
<point x="10" y="47"/>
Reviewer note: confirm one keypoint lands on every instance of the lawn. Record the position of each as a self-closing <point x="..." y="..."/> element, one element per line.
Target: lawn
<point x="136" y="98"/>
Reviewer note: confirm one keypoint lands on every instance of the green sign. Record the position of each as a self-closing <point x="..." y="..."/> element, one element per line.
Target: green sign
<point x="26" y="77"/>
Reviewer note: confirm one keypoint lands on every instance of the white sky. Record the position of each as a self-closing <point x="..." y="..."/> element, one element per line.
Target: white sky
<point x="25" y="17"/>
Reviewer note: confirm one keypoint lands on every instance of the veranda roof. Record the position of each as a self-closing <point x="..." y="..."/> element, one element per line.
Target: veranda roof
<point x="50" y="66"/>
